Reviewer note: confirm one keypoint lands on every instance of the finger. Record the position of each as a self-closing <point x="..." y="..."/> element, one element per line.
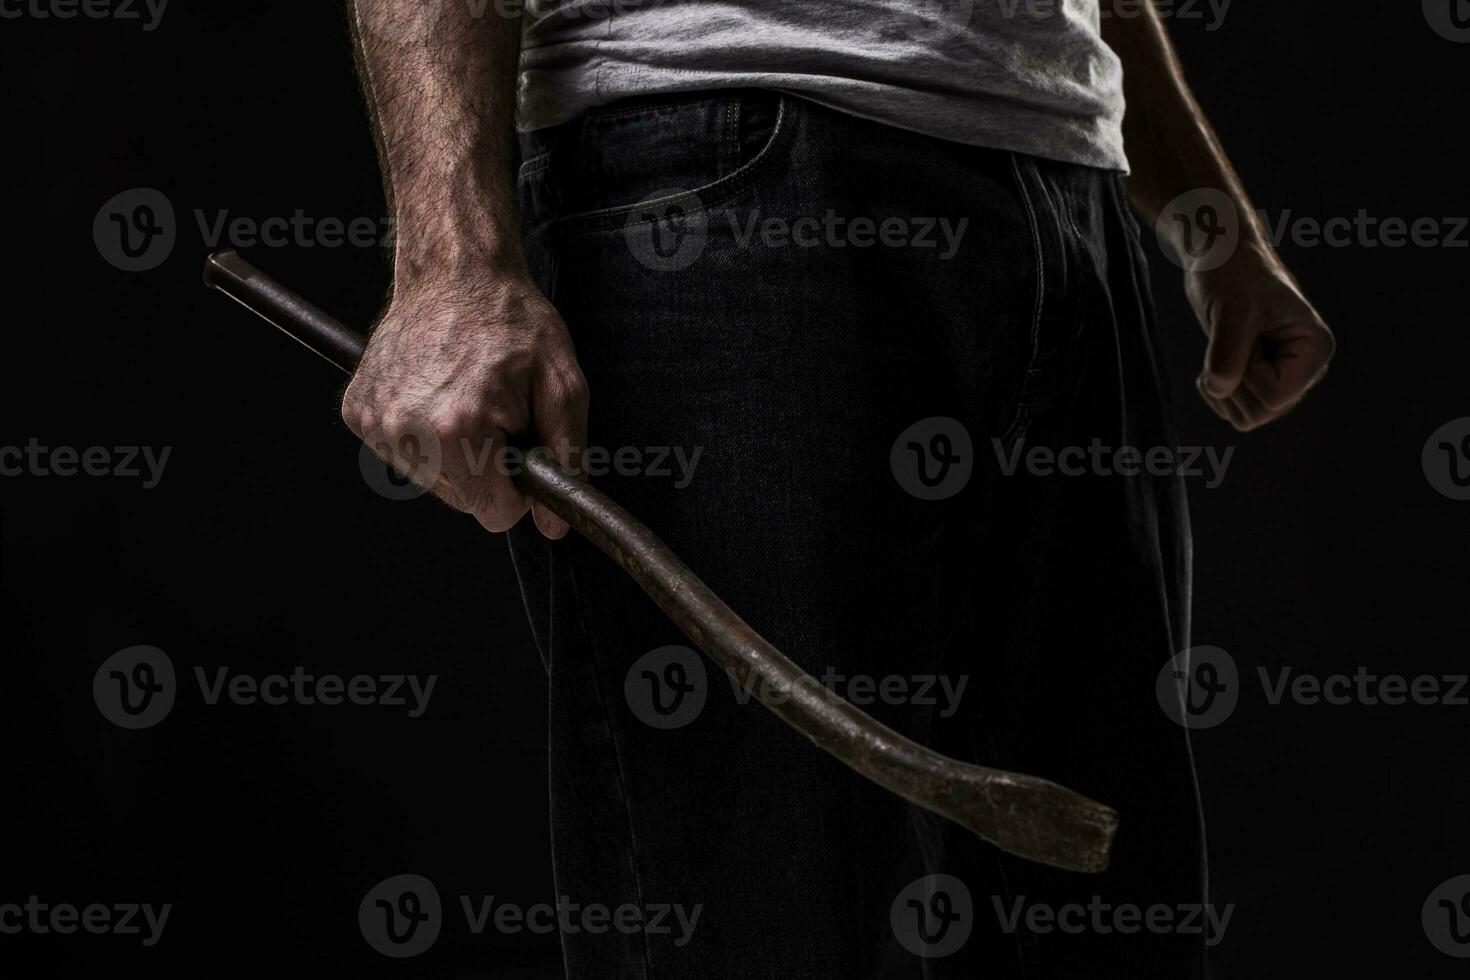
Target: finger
<point x="411" y="448"/>
<point x="1296" y="363"/>
<point x="1251" y="409"/>
<point x="488" y="485"/>
<point x="560" y="422"/>
<point x="1226" y="360"/>
<point x="1216" y="405"/>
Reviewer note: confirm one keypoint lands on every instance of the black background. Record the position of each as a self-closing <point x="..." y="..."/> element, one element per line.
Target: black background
<point x="263" y="547"/>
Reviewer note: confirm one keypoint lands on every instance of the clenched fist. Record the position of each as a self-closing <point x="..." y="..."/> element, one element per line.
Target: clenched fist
<point x="1268" y="345"/>
<point x="454" y="370"/>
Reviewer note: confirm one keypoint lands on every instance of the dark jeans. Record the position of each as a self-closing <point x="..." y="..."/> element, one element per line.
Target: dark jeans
<point x="826" y="507"/>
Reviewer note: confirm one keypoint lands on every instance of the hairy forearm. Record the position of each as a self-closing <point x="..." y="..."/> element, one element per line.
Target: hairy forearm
<point x="468" y="353"/>
<point x="1172" y="149"/>
<point x="441" y="82"/>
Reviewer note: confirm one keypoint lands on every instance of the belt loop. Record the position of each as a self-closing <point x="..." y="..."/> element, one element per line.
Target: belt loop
<point x="730" y="148"/>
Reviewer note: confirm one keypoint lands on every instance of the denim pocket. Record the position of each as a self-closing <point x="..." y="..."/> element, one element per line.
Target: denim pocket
<point x="701" y="152"/>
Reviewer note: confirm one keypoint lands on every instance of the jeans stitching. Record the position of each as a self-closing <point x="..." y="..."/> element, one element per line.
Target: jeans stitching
<point x="623" y="795"/>
<point x="707" y="197"/>
<point x="598" y="115"/>
<point x="532" y="166"/>
<point x="1022" y="414"/>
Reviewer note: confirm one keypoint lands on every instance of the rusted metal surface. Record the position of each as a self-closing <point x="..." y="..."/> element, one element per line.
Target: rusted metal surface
<point x="1024" y="815"/>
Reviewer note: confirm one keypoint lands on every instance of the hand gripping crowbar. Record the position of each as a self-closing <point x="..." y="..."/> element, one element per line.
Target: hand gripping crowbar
<point x="1024" y="815"/>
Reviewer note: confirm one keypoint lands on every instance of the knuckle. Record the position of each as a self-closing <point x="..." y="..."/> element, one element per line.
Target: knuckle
<point x="505" y="417"/>
<point x="568" y="391"/>
<point x="575" y="386"/>
<point x="450" y="422"/>
<point x="394" y="422"/>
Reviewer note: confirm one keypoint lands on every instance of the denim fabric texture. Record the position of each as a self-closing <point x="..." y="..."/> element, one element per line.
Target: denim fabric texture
<point x="794" y="361"/>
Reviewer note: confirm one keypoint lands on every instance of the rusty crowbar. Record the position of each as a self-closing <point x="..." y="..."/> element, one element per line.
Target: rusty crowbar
<point x="1026" y="816"/>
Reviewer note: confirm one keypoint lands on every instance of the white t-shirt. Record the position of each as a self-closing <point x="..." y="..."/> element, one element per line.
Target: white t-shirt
<point x="1032" y="76"/>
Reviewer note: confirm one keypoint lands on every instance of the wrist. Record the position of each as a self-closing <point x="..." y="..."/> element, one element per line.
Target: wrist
<point x="469" y="261"/>
<point x="464" y="229"/>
